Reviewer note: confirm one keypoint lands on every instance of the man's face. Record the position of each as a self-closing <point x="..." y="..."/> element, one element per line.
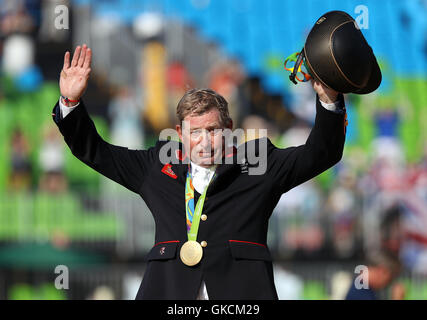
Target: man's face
<point x="202" y="135"/>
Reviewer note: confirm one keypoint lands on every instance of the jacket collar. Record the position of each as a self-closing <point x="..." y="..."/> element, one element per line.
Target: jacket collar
<point x="226" y="172"/>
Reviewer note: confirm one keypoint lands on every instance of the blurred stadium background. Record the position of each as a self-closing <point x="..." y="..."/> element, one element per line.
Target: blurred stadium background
<point x="55" y="211"/>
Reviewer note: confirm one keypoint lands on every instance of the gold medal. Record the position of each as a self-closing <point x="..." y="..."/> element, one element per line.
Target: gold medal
<point x="191" y="253"/>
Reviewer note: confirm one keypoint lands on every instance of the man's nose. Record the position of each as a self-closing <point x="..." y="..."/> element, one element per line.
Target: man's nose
<point x="206" y="139"/>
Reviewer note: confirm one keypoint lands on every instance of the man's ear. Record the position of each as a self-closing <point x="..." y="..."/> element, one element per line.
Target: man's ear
<point x="179" y="130"/>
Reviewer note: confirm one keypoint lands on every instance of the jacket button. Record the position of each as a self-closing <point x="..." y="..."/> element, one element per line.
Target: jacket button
<point x="204" y="244"/>
<point x="204" y="217"/>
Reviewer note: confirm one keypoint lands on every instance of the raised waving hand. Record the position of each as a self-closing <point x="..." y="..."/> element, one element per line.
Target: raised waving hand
<point x="75" y="75"/>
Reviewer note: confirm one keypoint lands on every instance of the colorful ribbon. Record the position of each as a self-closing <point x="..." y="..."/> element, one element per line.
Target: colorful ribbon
<point x="295" y="57"/>
<point x="193" y="214"/>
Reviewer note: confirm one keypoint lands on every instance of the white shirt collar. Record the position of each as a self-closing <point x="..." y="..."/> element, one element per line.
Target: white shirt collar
<point x="201" y="176"/>
<point x="201" y="169"/>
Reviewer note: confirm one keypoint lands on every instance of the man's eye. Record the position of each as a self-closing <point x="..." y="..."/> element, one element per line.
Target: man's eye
<point x="212" y="132"/>
<point x="216" y="132"/>
<point x="196" y="132"/>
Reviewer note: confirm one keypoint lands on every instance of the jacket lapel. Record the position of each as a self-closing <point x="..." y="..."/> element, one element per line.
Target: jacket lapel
<point x="180" y="163"/>
<point x="225" y="173"/>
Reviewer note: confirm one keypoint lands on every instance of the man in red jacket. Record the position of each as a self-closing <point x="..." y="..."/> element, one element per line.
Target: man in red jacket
<point x="211" y="213"/>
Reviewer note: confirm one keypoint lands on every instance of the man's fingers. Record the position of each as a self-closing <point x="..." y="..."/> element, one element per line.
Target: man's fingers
<point x="88" y="59"/>
<point x="82" y="56"/>
<point x="76" y="56"/>
<point x="66" y="60"/>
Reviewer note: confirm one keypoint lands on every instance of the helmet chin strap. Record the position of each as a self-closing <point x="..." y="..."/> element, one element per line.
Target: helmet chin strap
<point x="296" y="67"/>
<point x="298" y="57"/>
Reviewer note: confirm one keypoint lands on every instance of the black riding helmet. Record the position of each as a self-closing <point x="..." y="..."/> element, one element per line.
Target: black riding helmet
<point x="337" y="54"/>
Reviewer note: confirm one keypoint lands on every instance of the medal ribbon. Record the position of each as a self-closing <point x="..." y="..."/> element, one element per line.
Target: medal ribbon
<point x="193" y="215"/>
